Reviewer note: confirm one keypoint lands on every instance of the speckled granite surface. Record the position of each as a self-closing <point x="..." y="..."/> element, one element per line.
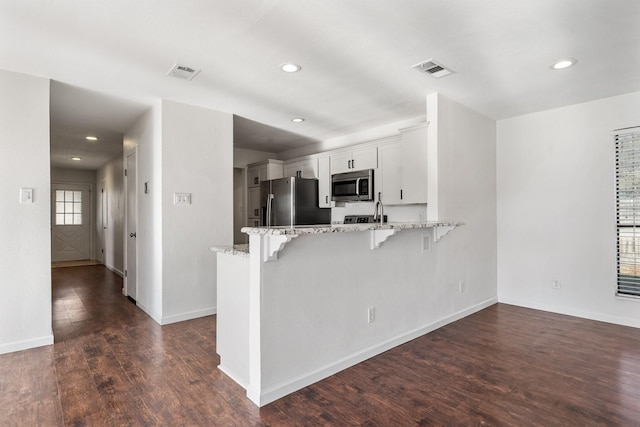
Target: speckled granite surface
<point x="239" y="250"/>
<point x="243" y="250"/>
<point x="345" y="228"/>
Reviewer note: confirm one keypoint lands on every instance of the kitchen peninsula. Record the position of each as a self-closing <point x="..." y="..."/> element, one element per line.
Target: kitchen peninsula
<point x="306" y="302"/>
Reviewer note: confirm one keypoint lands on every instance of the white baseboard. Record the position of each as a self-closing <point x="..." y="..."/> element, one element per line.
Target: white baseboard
<point x="263" y="397"/>
<point x="26" y="344"/>
<point x="166" y="320"/>
<point x="155" y="316"/>
<point x="567" y="311"/>
<point x="115" y="270"/>
<point x="232" y="375"/>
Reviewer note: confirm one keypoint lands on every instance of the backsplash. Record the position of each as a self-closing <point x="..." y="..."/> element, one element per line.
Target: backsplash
<point x="408" y="213"/>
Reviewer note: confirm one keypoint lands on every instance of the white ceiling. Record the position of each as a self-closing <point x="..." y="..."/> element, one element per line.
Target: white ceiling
<point x="109" y="58"/>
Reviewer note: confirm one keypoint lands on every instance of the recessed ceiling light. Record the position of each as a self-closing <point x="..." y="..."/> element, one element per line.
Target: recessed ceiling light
<point x="297" y="120"/>
<point x="290" y="68"/>
<point x="91" y="138"/>
<point x="76" y="158"/>
<point x="563" y="63"/>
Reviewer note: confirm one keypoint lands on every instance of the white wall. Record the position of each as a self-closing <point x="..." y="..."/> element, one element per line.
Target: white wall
<point x="145" y="137"/>
<point x="466" y="154"/>
<point x="181" y="149"/>
<point x="243" y="157"/>
<point x="73" y="175"/>
<point x="197" y="158"/>
<point x="556" y="209"/>
<point x="112" y="175"/>
<point x="25" y="253"/>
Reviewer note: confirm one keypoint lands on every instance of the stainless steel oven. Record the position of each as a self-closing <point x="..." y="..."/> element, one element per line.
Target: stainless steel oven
<point x="352" y="186"/>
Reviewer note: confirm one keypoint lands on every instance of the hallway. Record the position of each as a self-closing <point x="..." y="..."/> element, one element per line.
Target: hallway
<point x="112" y="365"/>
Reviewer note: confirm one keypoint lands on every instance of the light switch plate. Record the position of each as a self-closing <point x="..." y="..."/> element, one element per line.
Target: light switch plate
<point x="26" y="195"/>
<point x="181" y="198"/>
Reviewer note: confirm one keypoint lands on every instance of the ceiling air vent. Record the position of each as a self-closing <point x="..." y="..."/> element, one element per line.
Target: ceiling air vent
<point x="182" y="72"/>
<point x="433" y="68"/>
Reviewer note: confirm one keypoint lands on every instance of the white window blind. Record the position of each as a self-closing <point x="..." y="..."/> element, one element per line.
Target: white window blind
<point x="628" y="211"/>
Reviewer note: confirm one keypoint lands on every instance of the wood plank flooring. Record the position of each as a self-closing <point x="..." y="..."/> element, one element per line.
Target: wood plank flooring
<point x="112" y="365"/>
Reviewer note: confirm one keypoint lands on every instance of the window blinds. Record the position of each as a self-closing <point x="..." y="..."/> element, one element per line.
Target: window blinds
<point x="628" y="211"/>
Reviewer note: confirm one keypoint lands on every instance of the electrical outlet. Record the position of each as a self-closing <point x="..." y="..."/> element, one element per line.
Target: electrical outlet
<point x="461" y="287"/>
<point x="556" y="285"/>
<point x="371" y="314"/>
<point x="426" y="242"/>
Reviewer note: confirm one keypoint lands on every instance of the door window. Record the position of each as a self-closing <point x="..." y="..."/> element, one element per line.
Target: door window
<point x="68" y="207"/>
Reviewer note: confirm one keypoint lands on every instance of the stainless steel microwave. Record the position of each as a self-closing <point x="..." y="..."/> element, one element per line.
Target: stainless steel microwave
<point x="352" y="186"/>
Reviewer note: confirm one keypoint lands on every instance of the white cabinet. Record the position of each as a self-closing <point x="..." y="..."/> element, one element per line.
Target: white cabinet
<point x="324" y="182"/>
<point x="306" y="168"/>
<point x="403" y="168"/>
<point x="391" y="173"/>
<point x="262" y="171"/>
<point x="256" y="173"/>
<point x="355" y="160"/>
<point x="254" y="202"/>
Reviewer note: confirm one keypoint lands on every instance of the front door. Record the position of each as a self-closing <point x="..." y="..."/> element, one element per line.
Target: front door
<point x="71" y="222"/>
<point x="132" y="218"/>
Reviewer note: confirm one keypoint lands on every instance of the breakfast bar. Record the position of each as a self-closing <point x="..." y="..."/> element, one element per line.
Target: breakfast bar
<point x="302" y="303"/>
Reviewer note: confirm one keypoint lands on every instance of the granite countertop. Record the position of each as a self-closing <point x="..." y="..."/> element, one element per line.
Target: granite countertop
<point x="238" y="250"/>
<point x="345" y="228"/>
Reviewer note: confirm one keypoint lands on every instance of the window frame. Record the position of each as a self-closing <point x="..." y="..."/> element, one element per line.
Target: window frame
<point x="627" y="182"/>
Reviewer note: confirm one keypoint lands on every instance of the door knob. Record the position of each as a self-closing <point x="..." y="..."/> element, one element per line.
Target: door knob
<point x="132" y="235"/>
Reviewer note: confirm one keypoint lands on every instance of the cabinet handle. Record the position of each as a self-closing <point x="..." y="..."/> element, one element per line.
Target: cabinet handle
<point x="353" y="164"/>
<point x="326" y="199"/>
<point x="348" y="164"/>
<point x="256" y="180"/>
<point x="401" y="194"/>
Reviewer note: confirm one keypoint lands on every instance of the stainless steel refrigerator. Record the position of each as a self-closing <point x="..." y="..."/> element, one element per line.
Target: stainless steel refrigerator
<point x="291" y="201"/>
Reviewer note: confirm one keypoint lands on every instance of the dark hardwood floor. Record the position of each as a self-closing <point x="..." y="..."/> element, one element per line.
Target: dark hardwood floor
<point x="112" y="365"/>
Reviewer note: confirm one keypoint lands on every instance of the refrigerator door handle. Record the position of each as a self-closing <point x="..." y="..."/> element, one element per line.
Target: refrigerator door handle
<point x="270" y="198"/>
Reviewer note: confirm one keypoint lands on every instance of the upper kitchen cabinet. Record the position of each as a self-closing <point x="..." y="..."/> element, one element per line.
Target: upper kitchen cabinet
<point x="263" y="171"/>
<point x="324" y="182"/>
<point x="305" y="168"/>
<point x="355" y="160"/>
<point x="403" y="168"/>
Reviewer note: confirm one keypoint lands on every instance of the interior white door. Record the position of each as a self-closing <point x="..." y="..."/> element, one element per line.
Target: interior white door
<point x="131" y="286"/>
<point x="71" y="222"/>
<point x="102" y="227"/>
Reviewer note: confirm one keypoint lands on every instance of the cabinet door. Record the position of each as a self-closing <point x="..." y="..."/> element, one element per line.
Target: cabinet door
<point x="254" y="202"/>
<point x="256" y="175"/>
<point x="414" y="165"/>
<point x="364" y="159"/>
<point x="324" y="182"/>
<point x="341" y="163"/>
<point x="291" y="169"/>
<point x="391" y="171"/>
<point x="272" y="171"/>
<point x="307" y="168"/>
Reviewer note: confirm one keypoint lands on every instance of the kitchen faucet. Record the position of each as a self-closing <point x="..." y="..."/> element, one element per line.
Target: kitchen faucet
<point x="378" y="211"/>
